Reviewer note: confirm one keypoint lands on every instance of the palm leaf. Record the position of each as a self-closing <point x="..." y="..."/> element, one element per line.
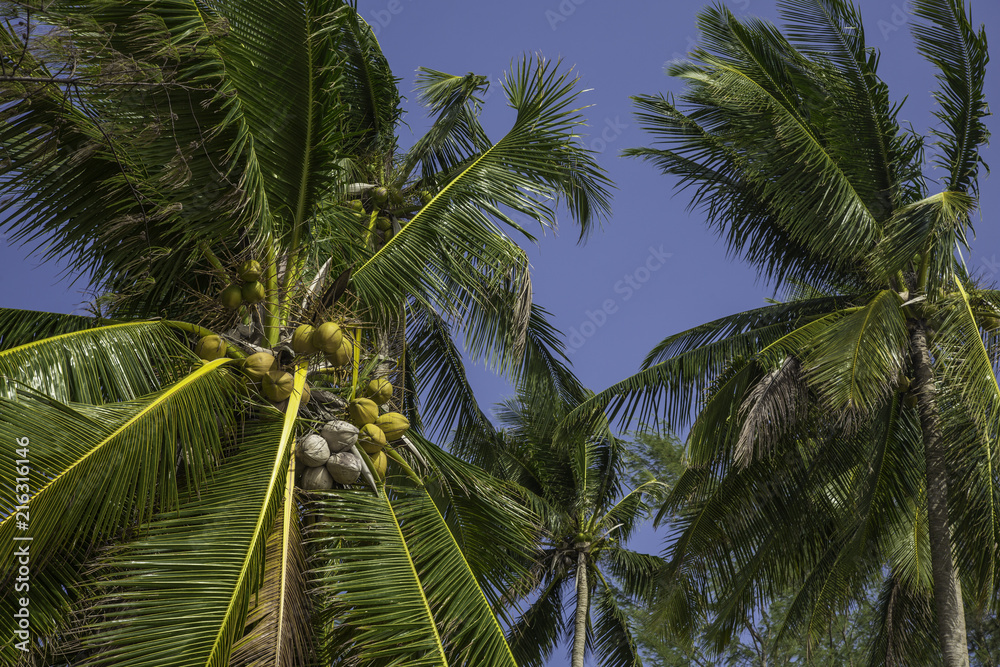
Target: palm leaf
<point x="164" y="580"/>
<point x="947" y="39"/>
<point x="96" y="365"/>
<point x="96" y="470"/>
<point x="396" y="584"/>
<point x="279" y="624"/>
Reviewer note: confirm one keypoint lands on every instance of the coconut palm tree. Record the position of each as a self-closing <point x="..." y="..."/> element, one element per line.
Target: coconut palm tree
<point x="574" y="482"/>
<point x="232" y="169"/>
<point x="848" y="434"/>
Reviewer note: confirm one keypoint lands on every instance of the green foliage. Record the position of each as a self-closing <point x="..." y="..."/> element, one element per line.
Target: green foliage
<point x="810" y="469"/>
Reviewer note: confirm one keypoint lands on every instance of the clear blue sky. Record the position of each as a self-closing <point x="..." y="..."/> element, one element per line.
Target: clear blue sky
<point x="619" y="49"/>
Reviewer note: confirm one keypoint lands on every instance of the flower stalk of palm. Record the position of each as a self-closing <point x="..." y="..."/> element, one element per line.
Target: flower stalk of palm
<point x="808" y="467"/>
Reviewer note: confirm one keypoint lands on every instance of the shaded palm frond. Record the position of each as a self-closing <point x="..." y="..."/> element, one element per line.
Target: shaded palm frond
<point x="436" y="613"/>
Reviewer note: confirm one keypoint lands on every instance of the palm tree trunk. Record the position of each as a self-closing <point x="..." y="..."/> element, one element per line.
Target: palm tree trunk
<point x="582" y="604"/>
<point x="947" y="588"/>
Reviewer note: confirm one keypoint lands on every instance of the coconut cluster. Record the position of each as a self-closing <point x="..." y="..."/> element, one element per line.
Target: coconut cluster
<point x="327" y="338"/>
<point x="331" y="456"/>
<point x="391" y="207"/>
<point x="248" y="291"/>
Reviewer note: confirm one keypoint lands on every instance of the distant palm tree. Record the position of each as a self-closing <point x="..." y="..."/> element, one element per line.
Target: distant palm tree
<point x="850" y="434"/>
<point x="575" y="484"/>
<point x="162" y="146"/>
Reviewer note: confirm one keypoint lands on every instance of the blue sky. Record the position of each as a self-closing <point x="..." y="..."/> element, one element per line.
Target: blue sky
<point x="655" y="269"/>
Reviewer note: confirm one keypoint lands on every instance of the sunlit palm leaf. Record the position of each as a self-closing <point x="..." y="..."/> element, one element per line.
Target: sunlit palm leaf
<point x="116" y="362"/>
<point x="194" y="570"/>
<point x="93" y="471"/>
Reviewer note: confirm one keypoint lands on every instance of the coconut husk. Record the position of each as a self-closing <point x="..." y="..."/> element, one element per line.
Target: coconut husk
<point x="313" y="450"/>
<point x="344" y="467"/>
<point x="317" y="479"/>
<point x="340" y="435"/>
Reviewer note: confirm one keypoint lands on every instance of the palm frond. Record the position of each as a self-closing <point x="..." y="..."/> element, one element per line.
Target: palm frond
<point x="278" y="626"/>
<point x="536" y="633"/>
<point x="612" y="636"/>
<point x="194" y="570"/>
<point x="947" y="39"/>
<point x="854" y="362"/>
<point x="88" y="364"/>
<point x="97" y="470"/>
<point x="456" y="133"/>
<point x="538" y="159"/>
<point x="436" y="613"/>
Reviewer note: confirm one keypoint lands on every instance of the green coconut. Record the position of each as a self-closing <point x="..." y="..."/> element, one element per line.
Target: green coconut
<point x="250" y="270"/>
<point x="904" y="382"/>
<point x="302" y="340"/>
<point x="425" y="197"/>
<point x="387" y="234"/>
<point x="327" y="337"/>
<point x="258" y="365"/>
<point x="383" y="223"/>
<point x="344" y="354"/>
<point x="210" y="348"/>
<point x="380" y="196"/>
<point x="380" y="463"/>
<point x="356" y="205"/>
<point x="393" y="424"/>
<point x="371" y="439"/>
<point x="910" y="400"/>
<point x="362" y="411"/>
<point x="253" y="292"/>
<point x="232" y="297"/>
<point x="379" y="390"/>
<point x="277" y="385"/>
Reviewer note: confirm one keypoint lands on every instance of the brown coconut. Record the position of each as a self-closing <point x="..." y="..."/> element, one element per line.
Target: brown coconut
<point x="312" y="450"/>
<point x="317" y="479"/>
<point x="340" y="435"/>
<point x="344" y="467"/>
